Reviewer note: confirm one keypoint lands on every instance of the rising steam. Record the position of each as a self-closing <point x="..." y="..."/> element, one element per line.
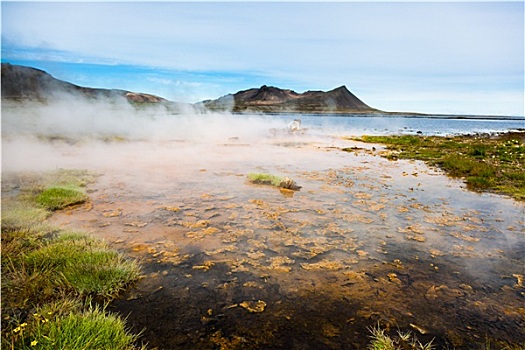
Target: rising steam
<point x="76" y="132"/>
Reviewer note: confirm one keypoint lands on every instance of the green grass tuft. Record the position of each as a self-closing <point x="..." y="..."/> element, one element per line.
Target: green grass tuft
<point x="380" y="341"/>
<point x="55" y="198"/>
<point x="38" y="268"/>
<point x="82" y="265"/>
<point x="265" y="179"/>
<point x="89" y="329"/>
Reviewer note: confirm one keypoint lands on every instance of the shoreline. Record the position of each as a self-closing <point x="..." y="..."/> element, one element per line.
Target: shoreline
<point x="384" y="114"/>
<point x="486" y="162"/>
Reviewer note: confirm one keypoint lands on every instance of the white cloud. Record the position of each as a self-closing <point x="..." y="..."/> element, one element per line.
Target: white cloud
<point x="272" y="35"/>
<point x="314" y="45"/>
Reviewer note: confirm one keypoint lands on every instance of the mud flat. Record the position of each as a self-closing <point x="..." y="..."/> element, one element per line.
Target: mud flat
<point x="365" y="241"/>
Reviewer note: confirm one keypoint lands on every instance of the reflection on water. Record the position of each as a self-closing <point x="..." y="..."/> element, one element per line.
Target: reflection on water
<point x="237" y="266"/>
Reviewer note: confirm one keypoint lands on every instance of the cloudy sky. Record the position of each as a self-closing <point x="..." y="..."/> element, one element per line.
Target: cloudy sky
<point x="440" y="57"/>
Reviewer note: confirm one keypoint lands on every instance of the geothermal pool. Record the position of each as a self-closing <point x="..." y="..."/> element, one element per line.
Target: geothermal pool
<point x="233" y="265"/>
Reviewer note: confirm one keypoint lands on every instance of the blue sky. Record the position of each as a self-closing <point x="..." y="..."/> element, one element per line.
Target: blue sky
<point x="439" y="57"/>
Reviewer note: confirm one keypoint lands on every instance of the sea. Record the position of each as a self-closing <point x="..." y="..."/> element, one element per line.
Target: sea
<point x="407" y="124"/>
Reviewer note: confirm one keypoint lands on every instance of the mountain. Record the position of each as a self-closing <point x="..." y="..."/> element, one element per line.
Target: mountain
<point x="25" y="83"/>
<point x="273" y="99"/>
<point x="21" y="83"/>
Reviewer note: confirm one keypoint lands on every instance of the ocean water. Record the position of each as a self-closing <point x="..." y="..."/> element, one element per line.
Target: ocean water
<point x="381" y="125"/>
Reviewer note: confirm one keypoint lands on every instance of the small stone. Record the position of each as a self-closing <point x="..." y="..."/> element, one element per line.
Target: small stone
<point x="253" y="306"/>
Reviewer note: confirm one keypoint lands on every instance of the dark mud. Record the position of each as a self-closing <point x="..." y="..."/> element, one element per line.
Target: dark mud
<point x="188" y="309"/>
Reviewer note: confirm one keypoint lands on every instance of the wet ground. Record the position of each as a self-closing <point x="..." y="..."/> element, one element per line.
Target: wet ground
<point x="366" y="241"/>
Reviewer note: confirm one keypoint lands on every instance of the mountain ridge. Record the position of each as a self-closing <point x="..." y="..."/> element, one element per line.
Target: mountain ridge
<point x="28" y="83"/>
<point x="22" y="83"/>
<point x="273" y="99"/>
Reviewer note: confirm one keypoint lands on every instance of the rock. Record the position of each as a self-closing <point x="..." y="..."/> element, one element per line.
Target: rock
<point x="253" y="306"/>
<point x="290" y="184"/>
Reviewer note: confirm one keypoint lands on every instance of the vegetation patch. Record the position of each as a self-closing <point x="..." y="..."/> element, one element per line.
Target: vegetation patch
<point x="91" y="328"/>
<point x="273" y="180"/>
<point x="492" y="163"/>
<point x="265" y="179"/>
<point x="18" y="214"/>
<point x="75" y="265"/>
<point x="73" y="178"/>
<point x="380" y="340"/>
<point x="54" y="198"/>
<point x="46" y="268"/>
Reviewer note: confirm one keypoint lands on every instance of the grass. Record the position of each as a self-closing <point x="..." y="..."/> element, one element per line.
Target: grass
<point x="91" y="328"/>
<point x="54" y="198"/>
<point x="73" y="178"/>
<point x="379" y="340"/>
<point x="76" y="264"/>
<point x="273" y="180"/>
<point x="48" y="271"/>
<point x="63" y="188"/>
<point x="491" y="164"/>
<point x="18" y="214"/>
<point x="265" y="179"/>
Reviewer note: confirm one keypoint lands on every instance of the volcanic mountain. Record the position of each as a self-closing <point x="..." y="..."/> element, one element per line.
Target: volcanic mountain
<point x="21" y="83"/>
<point x="25" y="83"/>
<point x="273" y="99"/>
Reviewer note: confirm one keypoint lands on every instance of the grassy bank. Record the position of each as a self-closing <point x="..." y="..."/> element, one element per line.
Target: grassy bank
<point x="486" y="163"/>
<point x="53" y="279"/>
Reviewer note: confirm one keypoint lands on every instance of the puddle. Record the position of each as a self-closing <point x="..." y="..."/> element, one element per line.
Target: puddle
<point x="233" y="265"/>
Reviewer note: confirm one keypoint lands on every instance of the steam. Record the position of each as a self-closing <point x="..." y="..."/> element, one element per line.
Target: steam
<point x="88" y="120"/>
<point x="81" y="133"/>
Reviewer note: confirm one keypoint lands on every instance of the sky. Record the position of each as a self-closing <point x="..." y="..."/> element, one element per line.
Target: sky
<point x="429" y="57"/>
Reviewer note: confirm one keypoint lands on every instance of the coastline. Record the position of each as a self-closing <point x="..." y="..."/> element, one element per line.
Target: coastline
<point x="383" y="114"/>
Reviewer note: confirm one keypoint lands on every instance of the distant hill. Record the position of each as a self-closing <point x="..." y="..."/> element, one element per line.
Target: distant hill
<point x="273" y="99"/>
<point x="22" y="83"/>
<point x="25" y="83"/>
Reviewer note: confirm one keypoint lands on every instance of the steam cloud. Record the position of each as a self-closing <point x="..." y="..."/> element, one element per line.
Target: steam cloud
<point x="80" y="133"/>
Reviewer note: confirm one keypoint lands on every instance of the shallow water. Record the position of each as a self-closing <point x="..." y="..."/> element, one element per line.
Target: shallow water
<point x="234" y="265"/>
<point x="406" y="124"/>
<point x="365" y="240"/>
